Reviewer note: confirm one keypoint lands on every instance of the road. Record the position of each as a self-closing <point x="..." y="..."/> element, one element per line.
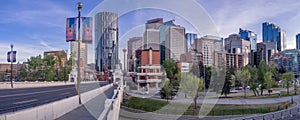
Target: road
<point x="17" y="99"/>
<point x="90" y="110"/>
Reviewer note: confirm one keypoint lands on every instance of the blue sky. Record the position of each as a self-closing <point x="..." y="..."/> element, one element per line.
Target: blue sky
<point x="37" y="26"/>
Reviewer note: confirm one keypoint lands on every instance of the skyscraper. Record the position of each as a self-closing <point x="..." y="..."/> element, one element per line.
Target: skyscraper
<point x="208" y="45"/>
<point x="273" y="33"/>
<point x="172" y="41"/>
<point x="106" y="40"/>
<point x="175" y="43"/>
<point x="249" y="36"/>
<point x="234" y="44"/>
<point x="133" y="45"/>
<point x="298" y="41"/>
<point x="190" y="38"/>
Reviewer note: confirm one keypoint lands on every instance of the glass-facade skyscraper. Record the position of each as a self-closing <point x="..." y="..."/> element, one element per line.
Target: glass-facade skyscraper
<point x="273" y="33"/>
<point x="106" y="40"/>
<point x="298" y="41"/>
<point x="249" y="36"/>
<point x="190" y="38"/>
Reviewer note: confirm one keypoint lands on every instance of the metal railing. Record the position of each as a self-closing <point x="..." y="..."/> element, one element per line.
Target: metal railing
<point x="287" y="114"/>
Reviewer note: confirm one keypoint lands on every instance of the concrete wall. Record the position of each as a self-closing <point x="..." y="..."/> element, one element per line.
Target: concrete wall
<point x="53" y="110"/>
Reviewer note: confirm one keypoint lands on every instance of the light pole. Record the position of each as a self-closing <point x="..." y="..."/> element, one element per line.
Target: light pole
<point x="124" y="51"/>
<point x="79" y="7"/>
<point x="11" y="65"/>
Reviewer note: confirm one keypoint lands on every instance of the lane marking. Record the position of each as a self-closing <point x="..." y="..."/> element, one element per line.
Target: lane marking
<point x="64" y="93"/>
<point x="27" y="101"/>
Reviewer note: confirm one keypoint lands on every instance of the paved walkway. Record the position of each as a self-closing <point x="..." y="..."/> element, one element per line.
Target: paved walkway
<point x="92" y="109"/>
<point x="181" y="99"/>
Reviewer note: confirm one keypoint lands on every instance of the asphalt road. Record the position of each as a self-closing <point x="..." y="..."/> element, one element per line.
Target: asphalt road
<point x="17" y="99"/>
<point x="90" y="110"/>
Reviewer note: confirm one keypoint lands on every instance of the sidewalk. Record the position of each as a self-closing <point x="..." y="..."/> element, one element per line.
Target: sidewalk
<point x="92" y="109"/>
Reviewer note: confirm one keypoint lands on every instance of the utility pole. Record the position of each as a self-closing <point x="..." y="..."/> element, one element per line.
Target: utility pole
<point x="79" y="7"/>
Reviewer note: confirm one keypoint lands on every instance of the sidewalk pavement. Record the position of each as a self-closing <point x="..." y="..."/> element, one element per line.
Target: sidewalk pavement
<point x="92" y="109"/>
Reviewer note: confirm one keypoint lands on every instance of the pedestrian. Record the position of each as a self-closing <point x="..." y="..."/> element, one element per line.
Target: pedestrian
<point x="286" y="105"/>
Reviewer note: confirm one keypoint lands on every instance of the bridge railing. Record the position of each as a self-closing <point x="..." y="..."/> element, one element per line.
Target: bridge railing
<point x="112" y="106"/>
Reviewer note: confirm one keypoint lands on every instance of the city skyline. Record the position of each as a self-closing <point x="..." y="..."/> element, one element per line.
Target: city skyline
<point x="39" y="32"/>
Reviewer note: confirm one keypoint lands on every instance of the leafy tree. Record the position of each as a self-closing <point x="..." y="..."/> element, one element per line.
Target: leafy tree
<point x="262" y="69"/>
<point x="166" y="90"/>
<point x="229" y="82"/>
<point x="199" y="70"/>
<point x="287" y="77"/>
<point x="192" y="85"/>
<point x="170" y="68"/>
<point x="269" y="80"/>
<point x="253" y="80"/>
<point x="243" y="76"/>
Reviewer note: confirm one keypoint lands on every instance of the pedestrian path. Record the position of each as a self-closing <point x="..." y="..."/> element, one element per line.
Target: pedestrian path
<point x="92" y="109"/>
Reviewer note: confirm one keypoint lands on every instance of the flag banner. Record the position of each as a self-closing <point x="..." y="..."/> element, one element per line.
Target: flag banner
<point x="11" y="56"/>
<point x="71" y="29"/>
<point x="87" y="29"/>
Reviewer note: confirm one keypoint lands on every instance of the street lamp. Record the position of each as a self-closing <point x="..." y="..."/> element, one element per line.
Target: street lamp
<point x="11" y="65"/>
<point x="124" y="51"/>
<point x="79" y="7"/>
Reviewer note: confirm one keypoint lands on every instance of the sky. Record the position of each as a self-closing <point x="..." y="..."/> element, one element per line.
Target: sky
<point x="37" y="26"/>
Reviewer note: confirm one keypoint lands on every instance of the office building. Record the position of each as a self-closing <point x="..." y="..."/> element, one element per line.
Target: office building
<point x="207" y="45"/>
<point x="106" y="40"/>
<point x="249" y="36"/>
<point x="298" y="41"/>
<point x="234" y="44"/>
<point x="151" y="39"/>
<point x="264" y="51"/>
<point x="175" y="43"/>
<point x="190" y="38"/>
<point x="273" y="33"/>
<point x="288" y="60"/>
<point x="133" y="45"/>
<point x="151" y="34"/>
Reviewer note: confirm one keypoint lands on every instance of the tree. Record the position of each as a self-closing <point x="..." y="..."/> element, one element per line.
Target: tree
<point x="269" y="80"/>
<point x="287" y="77"/>
<point x="171" y="70"/>
<point x="166" y="90"/>
<point x="253" y="80"/>
<point x="200" y="70"/>
<point x="49" y="69"/>
<point x="243" y="76"/>
<point x="192" y="85"/>
<point x="262" y="69"/>
<point x="229" y="82"/>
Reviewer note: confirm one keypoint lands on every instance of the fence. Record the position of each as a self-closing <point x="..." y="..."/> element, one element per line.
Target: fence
<point x="288" y="114"/>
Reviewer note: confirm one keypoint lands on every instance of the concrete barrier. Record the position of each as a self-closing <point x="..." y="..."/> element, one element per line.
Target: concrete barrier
<point x="53" y="110"/>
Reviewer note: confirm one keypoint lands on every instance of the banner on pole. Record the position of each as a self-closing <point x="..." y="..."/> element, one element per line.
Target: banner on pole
<point x="71" y="29"/>
<point x="11" y="56"/>
<point x="87" y="29"/>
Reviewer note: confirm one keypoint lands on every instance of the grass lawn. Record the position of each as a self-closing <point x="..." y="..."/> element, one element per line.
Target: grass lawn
<point x="150" y="105"/>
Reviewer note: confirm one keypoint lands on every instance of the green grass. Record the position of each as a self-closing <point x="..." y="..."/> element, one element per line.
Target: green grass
<point x="145" y="104"/>
<point x="150" y="105"/>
